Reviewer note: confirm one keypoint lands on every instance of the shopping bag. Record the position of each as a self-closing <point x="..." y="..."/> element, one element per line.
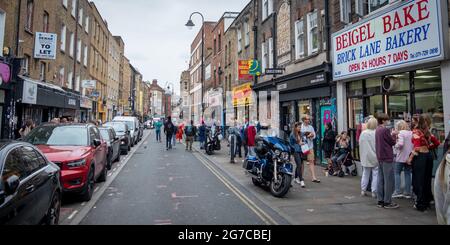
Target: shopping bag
<point x="305" y="149"/>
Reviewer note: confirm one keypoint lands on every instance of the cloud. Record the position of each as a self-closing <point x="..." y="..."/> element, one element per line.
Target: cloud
<point x="156" y="40"/>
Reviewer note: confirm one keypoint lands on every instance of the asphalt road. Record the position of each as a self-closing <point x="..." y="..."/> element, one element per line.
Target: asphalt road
<point x="159" y="187"/>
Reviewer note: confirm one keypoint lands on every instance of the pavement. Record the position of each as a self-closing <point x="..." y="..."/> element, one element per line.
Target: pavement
<point x="335" y="201"/>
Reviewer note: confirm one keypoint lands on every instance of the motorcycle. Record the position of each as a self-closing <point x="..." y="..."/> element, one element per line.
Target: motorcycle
<point x="271" y="167"/>
<point x="212" y="142"/>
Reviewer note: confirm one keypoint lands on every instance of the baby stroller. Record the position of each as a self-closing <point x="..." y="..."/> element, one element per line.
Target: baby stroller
<point x="344" y="165"/>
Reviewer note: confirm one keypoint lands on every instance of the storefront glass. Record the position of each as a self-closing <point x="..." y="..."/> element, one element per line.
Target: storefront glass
<point x="356" y="113"/>
<point x="431" y="103"/>
<point x="428" y="78"/>
<point x="373" y="86"/>
<point x="399" y="107"/>
<point x="374" y="105"/>
<point x="304" y="108"/>
<point x="355" y="88"/>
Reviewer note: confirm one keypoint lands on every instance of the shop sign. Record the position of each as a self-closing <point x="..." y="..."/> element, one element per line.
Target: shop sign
<point x="5" y="73"/>
<point x="242" y="95"/>
<point x="247" y="69"/>
<point x="85" y="103"/>
<point x="45" y="46"/>
<point x="72" y="102"/>
<point x="29" y="92"/>
<point x="407" y="34"/>
<point x="89" y="84"/>
<point x="215" y="99"/>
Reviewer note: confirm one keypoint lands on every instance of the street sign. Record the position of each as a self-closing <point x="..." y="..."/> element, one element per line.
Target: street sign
<point x="89" y="84"/>
<point x="45" y="45"/>
<point x="275" y="71"/>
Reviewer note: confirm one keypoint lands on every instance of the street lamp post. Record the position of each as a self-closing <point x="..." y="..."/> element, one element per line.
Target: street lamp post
<point x="190" y="25"/>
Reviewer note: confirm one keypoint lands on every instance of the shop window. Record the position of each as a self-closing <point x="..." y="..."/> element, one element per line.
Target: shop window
<point x="355" y="112"/>
<point x="355" y="88"/>
<point x="375" y="105"/>
<point x="373" y="86"/>
<point x="431" y="103"/>
<point x="304" y="109"/>
<point x="428" y="78"/>
<point x="399" y="107"/>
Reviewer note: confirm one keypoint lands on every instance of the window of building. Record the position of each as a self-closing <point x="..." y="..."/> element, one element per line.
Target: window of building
<point x="79" y="50"/>
<point x="42" y="69"/>
<point x="313" y="33"/>
<point x="265" y="56"/>
<point x="428" y="78"/>
<point x="271" y="53"/>
<point x="299" y="39"/>
<point x="267" y="8"/>
<point x="70" y="80"/>
<point x="80" y="17"/>
<point x="2" y="29"/>
<point x="45" y="22"/>
<point x="77" y="83"/>
<point x="26" y="64"/>
<point x="226" y="55"/>
<point x="229" y="53"/>
<point x="85" y="58"/>
<point x="64" y="3"/>
<point x="72" y="44"/>
<point x="208" y="72"/>
<point x="215" y="46"/>
<point x="63" y="37"/>
<point x="377" y="4"/>
<point x="247" y="34"/>
<point x="86" y="24"/>
<point x="239" y="35"/>
<point x="61" y="75"/>
<point x="29" y="20"/>
<point x="220" y="42"/>
<point x="74" y="8"/>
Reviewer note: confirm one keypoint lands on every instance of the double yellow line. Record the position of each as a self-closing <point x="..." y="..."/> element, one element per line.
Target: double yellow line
<point x="267" y="219"/>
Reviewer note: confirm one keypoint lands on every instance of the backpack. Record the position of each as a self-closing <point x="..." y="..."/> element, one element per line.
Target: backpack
<point x="189" y="131"/>
<point x="170" y="127"/>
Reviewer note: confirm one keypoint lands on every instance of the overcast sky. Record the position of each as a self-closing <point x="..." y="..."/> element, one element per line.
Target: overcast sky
<point x="156" y="40"/>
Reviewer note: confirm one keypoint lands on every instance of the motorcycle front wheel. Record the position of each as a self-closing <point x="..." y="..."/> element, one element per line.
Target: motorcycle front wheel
<point x="281" y="187"/>
<point x="209" y="150"/>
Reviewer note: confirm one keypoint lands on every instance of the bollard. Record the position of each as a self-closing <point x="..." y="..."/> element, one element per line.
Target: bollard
<point x="232" y="147"/>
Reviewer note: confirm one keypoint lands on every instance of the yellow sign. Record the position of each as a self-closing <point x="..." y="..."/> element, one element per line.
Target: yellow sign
<point x="242" y="95"/>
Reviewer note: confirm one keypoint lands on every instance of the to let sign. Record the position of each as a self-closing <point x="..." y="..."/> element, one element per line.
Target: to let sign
<point x="406" y="34"/>
<point x="45" y="45"/>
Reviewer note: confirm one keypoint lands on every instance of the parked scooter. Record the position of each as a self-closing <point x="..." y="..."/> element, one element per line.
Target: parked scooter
<point x="271" y="166"/>
<point x="212" y="141"/>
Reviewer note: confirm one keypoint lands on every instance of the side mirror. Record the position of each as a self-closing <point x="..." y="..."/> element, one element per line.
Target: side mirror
<point x="11" y="185"/>
<point x="97" y="142"/>
<point x="116" y="138"/>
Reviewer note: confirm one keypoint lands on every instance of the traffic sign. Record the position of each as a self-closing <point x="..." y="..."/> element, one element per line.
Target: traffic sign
<point x="275" y="71"/>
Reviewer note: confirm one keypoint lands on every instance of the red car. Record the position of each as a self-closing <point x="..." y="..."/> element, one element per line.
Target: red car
<point x="78" y="150"/>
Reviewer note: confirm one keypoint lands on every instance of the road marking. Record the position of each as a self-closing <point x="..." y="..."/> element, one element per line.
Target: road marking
<point x="161" y="186"/>
<point x="164" y="224"/>
<point x="177" y="205"/>
<point x="174" y="196"/>
<point x="73" y="214"/>
<point x="249" y="203"/>
<point x="82" y="204"/>
<point x="114" y="170"/>
<point x="96" y="189"/>
<point x="109" y="175"/>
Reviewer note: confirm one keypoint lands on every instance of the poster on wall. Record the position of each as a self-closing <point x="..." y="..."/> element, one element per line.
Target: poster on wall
<point x="29" y="93"/>
<point x="45" y="45"/>
<point x="406" y="34"/>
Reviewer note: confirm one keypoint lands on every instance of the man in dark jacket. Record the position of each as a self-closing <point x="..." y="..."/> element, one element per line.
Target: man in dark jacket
<point x="169" y="130"/>
<point x="385" y="155"/>
<point x="190" y="132"/>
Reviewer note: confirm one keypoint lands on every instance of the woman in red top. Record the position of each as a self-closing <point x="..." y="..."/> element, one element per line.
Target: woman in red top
<point x="423" y="161"/>
<point x="179" y="135"/>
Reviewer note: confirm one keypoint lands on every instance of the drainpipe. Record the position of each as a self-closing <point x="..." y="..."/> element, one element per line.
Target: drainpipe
<point x="18" y="28"/>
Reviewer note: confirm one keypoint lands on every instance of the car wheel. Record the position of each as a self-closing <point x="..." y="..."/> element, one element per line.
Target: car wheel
<point x="102" y="177"/>
<point x="52" y="216"/>
<point x="89" y="187"/>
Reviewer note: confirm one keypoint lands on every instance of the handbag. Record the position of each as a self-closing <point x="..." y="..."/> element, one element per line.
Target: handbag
<point x="305" y="149"/>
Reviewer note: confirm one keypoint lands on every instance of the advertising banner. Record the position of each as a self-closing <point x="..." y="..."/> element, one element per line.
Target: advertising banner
<point x="45" y="46"/>
<point x="242" y="95"/>
<point x="407" y="34"/>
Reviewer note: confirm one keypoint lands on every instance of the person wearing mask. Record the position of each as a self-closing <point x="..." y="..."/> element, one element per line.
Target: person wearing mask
<point x="202" y="135"/>
<point x="190" y="132"/>
<point x="422" y="163"/>
<point x="295" y="140"/>
<point x="328" y="143"/>
<point x="403" y="149"/>
<point x="385" y="142"/>
<point x="369" y="161"/>
<point x="158" y="124"/>
<point x="169" y="130"/>
<point x="309" y="135"/>
<point x="27" y="128"/>
<point x="442" y="191"/>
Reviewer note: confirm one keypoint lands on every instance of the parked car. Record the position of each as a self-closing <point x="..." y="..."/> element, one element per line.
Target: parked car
<point x="30" y="188"/>
<point x="124" y="134"/>
<point x="133" y="126"/>
<point x="78" y="150"/>
<point x="113" y="142"/>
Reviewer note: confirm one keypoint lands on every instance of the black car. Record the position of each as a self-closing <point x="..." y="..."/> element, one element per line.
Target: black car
<point x="124" y="134"/>
<point x="113" y="142"/>
<point x="30" y="188"/>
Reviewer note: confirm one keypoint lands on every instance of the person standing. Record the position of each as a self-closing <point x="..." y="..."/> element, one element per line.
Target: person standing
<point x="328" y="143"/>
<point x="158" y="125"/>
<point x="309" y="134"/>
<point x="385" y="155"/>
<point x="422" y="164"/>
<point x="190" y="132"/>
<point x="296" y="142"/>
<point x="369" y="161"/>
<point x="169" y="130"/>
<point x="180" y="132"/>
<point x="27" y="128"/>
<point x="202" y="135"/>
<point x="403" y="148"/>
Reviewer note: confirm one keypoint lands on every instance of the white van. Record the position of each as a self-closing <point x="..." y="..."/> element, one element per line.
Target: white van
<point x="133" y="125"/>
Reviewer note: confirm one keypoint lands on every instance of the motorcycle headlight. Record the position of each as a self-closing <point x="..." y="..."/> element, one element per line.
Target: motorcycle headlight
<point x="76" y="164"/>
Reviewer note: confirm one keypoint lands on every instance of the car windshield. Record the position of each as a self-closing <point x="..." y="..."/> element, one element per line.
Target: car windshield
<point x="118" y="127"/>
<point x="58" y="136"/>
<point x="105" y="134"/>
<point x="130" y="124"/>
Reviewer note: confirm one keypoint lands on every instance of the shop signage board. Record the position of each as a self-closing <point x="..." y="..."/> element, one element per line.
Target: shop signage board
<point x="242" y="95"/>
<point x="86" y="103"/>
<point x="89" y="84"/>
<point x="274" y="71"/>
<point x="29" y="95"/>
<point x="248" y="69"/>
<point x="45" y="45"/>
<point x="403" y="35"/>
